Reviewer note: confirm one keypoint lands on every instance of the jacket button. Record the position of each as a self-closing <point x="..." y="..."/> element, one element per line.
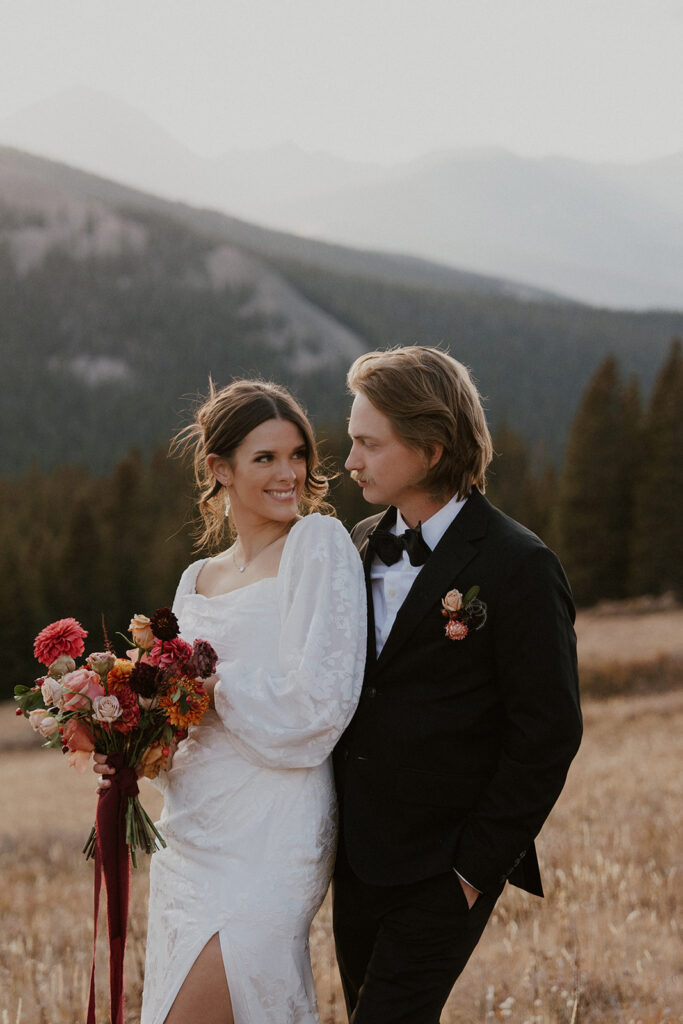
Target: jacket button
<point x="372" y="692"/>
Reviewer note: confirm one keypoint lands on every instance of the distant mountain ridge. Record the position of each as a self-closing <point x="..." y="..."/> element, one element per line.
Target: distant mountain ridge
<point x="607" y="234"/>
<point x="116" y="305"/>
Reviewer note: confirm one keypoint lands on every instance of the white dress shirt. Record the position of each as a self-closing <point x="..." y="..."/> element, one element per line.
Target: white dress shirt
<point x="391" y="583"/>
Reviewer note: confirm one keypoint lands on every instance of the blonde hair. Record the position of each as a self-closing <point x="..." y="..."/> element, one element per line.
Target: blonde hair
<point x="430" y="400"/>
<point x="221" y="423"/>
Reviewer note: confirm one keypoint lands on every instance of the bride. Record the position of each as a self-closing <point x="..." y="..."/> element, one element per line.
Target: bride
<point x="249" y="807"/>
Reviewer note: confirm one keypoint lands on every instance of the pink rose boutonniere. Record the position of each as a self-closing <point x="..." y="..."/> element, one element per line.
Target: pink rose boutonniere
<point x="465" y="614"/>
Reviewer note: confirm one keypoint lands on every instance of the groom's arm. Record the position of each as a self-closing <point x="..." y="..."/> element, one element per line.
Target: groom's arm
<point x="535" y="655"/>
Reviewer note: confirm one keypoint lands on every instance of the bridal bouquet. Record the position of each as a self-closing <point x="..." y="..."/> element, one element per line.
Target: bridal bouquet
<point x="131" y="708"/>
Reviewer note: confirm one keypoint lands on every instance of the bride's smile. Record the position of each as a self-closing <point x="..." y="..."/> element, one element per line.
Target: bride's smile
<point x="265" y="477"/>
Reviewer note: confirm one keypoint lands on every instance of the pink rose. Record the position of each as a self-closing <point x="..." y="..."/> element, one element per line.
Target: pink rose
<point x="78" y="738"/>
<point x="80" y="687"/>
<point x="135" y="655"/>
<point x="452" y="602"/>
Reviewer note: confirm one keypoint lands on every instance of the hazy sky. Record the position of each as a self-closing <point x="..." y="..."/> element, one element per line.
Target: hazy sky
<point x="367" y="79"/>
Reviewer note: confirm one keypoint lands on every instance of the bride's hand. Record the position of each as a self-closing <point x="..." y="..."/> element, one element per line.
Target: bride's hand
<point x="209" y="685"/>
<point x="101" y="768"/>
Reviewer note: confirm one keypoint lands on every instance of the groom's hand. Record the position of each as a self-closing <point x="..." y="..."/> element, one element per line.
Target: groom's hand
<point x="471" y="894"/>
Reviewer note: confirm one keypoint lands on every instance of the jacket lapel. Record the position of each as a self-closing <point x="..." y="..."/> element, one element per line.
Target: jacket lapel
<point x="438" y="575"/>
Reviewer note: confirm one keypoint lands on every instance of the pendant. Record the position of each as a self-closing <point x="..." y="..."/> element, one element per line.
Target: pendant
<point x="241" y="568"/>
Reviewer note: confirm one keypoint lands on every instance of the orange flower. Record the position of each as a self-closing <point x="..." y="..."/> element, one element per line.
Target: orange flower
<point x="118" y="675"/>
<point x="185" y="702"/>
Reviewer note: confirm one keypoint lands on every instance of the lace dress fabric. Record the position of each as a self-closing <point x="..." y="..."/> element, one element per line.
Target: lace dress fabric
<point x="249" y="808"/>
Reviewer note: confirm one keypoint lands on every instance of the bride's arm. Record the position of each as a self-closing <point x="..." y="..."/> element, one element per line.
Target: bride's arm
<point x="292" y="717"/>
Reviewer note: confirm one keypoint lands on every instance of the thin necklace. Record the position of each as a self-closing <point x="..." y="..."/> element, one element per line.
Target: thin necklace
<point x="241" y="568"/>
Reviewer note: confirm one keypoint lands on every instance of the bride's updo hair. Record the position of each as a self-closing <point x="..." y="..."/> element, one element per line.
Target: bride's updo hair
<point x="221" y="423"/>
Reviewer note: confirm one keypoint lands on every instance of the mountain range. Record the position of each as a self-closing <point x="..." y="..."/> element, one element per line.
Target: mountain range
<point x="606" y="234"/>
<point x="117" y="305"/>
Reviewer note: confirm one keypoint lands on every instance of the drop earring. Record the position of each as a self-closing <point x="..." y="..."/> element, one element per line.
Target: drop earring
<point x="227" y="505"/>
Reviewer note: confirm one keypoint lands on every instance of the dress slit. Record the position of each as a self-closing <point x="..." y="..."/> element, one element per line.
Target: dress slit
<point x="227" y="967"/>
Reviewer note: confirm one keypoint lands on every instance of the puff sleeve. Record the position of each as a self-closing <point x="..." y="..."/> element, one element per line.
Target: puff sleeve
<point x="292" y="718"/>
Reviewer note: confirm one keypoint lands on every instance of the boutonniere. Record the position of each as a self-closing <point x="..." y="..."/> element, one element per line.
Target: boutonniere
<point x="465" y="614"/>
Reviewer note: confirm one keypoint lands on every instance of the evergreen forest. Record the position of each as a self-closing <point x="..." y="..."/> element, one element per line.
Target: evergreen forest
<point x="101" y="548"/>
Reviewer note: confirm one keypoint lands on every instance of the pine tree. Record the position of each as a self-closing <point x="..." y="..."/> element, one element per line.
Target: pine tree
<point x="513" y="484"/>
<point x="594" y="503"/>
<point x="82" y="583"/>
<point x="657" y="562"/>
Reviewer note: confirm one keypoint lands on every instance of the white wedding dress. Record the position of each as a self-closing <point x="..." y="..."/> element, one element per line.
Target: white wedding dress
<point x="249" y="808"/>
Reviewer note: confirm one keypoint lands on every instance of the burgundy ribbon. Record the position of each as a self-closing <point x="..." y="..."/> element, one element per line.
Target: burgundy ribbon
<point x="112" y="859"/>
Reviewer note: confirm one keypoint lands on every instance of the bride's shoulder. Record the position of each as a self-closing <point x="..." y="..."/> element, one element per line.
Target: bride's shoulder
<point x="186" y="584"/>
<point x="315" y="525"/>
<point x="319" y="537"/>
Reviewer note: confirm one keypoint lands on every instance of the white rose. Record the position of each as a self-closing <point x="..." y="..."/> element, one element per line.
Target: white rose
<point x="106" y="709"/>
<point x="53" y="693"/>
<point x="48" y="726"/>
<point x="36" y="717"/>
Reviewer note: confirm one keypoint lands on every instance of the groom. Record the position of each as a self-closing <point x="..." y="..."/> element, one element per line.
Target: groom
<point x="469" y="715"/>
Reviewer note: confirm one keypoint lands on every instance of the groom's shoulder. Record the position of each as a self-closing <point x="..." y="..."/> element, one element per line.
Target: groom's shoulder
<point x="515" y="545"/>
<point x="511" y="539"/>
<point x="501" y="525"/>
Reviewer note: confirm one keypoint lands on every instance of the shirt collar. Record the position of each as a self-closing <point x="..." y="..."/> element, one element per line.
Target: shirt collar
<point x="434" y="528"/>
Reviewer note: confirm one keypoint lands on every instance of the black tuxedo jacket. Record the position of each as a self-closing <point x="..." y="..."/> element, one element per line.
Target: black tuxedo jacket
<point x="459" y="748"/>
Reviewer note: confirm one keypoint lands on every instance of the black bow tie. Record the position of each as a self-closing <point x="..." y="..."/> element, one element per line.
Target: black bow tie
<point x="390" y="547"/>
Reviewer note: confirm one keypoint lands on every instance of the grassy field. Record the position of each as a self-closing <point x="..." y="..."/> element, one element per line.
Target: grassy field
<point x="602" y="947"/>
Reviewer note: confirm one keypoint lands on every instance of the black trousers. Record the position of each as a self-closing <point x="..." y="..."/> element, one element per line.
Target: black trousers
<point x="401" y="948"/>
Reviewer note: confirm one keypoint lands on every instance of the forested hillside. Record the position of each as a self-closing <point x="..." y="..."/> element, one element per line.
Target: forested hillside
<point x="115" y="306"/>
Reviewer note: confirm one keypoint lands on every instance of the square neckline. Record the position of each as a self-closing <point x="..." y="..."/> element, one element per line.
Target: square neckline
<point x="264" y="579"/>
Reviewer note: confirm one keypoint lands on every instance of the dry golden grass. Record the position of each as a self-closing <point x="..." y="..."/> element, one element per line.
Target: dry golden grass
<point x="602" y="947"/>
<point x="622" y="632"/>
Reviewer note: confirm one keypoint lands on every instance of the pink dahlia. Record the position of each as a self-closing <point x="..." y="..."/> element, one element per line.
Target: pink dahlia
<point x="65" y="636"/>
<point x="169" y="652"/>
<point x="456" y="630"/>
